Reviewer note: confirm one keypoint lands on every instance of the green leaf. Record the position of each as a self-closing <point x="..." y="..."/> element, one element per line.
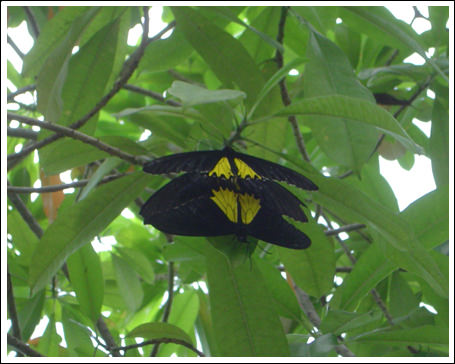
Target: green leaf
<point x="329" y="72"/>
<point x="159" y="330"/>
<point x="371" y="268"/>
<point x="338" y="322"/>
<point x="194" y="95"/>
<point x="128" y="283"/>
<point x="312" y="269"/>
<point x="78" y="224"/>
<point x="224" y="54"/>
<point x="66" y="154"/>
<point x="84" y="268"/>
<point x="244" y="320"/>
<point x="185" y="308"/>
<point x="438" y="148"/>
<point x="429" y="217"/>
<point x="356" y="111"/>
<point x="52" y="76"/>
<point x="321" y="346"/>
<point x="29" y="314"/>
<point x="139" y="262"/>
<point x="424" y="335"/>
<point x="165" y="54"/>
<point x="51" y="36"/>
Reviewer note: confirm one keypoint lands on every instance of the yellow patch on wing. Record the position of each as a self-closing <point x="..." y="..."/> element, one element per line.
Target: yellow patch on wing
<point x="244" y="170"/>
<point x="226" y="200"/>
<point x="249" y="207"/>
<point x="222" y="167"/>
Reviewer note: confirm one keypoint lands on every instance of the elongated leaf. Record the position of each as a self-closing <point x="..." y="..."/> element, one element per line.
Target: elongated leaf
<point x="329" y="72"/>
<point x="245" y="322"/>
<point x="128" y="283"/>
<point x="370" y="269"/>
<point x="159" y="330"/>
<point x="185" y="308"/>
<point x="51" y="35"/>
<point x="338" y="322"/>
<point x="195" y="95"/>
<point x="438" y="148"/>
<point x="84" y="268"/>
<point x="224" y="54"/>
<point x="312" y="269"/>
<point x="424" y="335"/>
<point x="78" y="224"/>
<point x="52" y="75"/>
<point x="355" y="110"/>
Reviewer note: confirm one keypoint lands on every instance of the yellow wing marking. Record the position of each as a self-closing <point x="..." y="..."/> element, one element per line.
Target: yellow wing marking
<point x="249" y="207"/>
<point x="226" y="200"/>
<point x="222" y="167"/>
<point x="244" y="170"/>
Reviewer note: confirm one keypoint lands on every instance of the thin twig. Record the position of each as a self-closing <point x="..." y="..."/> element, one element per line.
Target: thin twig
<point x="128" y="68"/>
<point x="283" y="89"/>
<point x="152" y="94"/>
<point x="163" y="340"/>
<point x="13" y="45"/>
<point x="12" y="312"/>
<point x="25" y="213"/>
<point x="20" y="91"/>
<point x="33" y="23"/>
<point x="64" y="186"/>
<point x="22" y="133"/>
<point x="21" y="346"/>
<point x="107" y="337"/>
<point x="72" y="133"/>
<point x="344" y="229"/>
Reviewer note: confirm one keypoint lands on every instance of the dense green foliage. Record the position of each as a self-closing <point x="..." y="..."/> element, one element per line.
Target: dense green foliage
<point x="380" y="289"/>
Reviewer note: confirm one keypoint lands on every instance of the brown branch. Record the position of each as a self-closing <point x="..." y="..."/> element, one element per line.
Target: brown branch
<point x="163" y="340"/>
<point x="16" y="49"/>
<point x="54" y="188"/>
<point x="21" y="346"/>
<point x="21" y="133"/>
<point x="283" y="89"/>
<point x="107" y="337"/>
<point x="344" y="229"/>
<point x="72" y="133"/>
<point x="128" y="68"/>
<point x="33" y="23"/>
<point x="25" y="213"/>
<point x="12" y="308"/>
<point x="20" y="91"/>
<point x="152" y="94"/>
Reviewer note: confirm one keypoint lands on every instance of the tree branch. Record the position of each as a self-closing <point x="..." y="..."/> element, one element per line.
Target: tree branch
<point x="54" y="188"/>
<point x="12" y="309"/>
<point x="128" y="68"/>
<point x="72" y="133"/>
<point x="25" y="213"/>
<point x="163" y="340"/>
<point x="283" y="90"/>
<point x="344" y="229"/>
<point x="20" y="91"/>
<point x="152" y="94"/>
<point x="21" y="133"/>
<point x="33" y="23"/>
<point x="107" y="337"/>
<point x="16" y="49"/>
<point x="21" y="346"/>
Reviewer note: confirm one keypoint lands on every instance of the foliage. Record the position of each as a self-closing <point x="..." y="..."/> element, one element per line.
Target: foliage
<point x="365" y="292"/>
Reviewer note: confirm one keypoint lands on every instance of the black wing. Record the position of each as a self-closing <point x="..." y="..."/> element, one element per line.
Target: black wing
<point x="271" y="227"/>
<point x="276" y="171"/>
<point x="202" y="161"/>
<point x="183" y="207"/>
<point x="275" y="197"/>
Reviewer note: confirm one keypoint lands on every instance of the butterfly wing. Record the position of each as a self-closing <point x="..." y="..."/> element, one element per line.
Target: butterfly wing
<point x="276" y="172"/>
<point x="202" y="161"/>
<point x="183" y="207"/>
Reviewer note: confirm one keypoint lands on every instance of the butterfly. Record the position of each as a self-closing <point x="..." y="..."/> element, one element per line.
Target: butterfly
<point x="226" y="192"/>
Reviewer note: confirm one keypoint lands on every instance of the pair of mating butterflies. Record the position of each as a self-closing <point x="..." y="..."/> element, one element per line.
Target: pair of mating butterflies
<point x="225" y="192"/>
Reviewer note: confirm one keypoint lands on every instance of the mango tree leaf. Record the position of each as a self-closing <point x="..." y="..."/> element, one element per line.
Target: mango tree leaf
<point x="128" y="283"/>
<point x="78" y="224"/>
<point x="84" y="268"/>
<point x="244" y="320"/>
<point x="195" y="95"/>
<point x="159" y="330"/>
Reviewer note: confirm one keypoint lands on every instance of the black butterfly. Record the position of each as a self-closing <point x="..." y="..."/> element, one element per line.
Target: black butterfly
<point x="227" y="193"/>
